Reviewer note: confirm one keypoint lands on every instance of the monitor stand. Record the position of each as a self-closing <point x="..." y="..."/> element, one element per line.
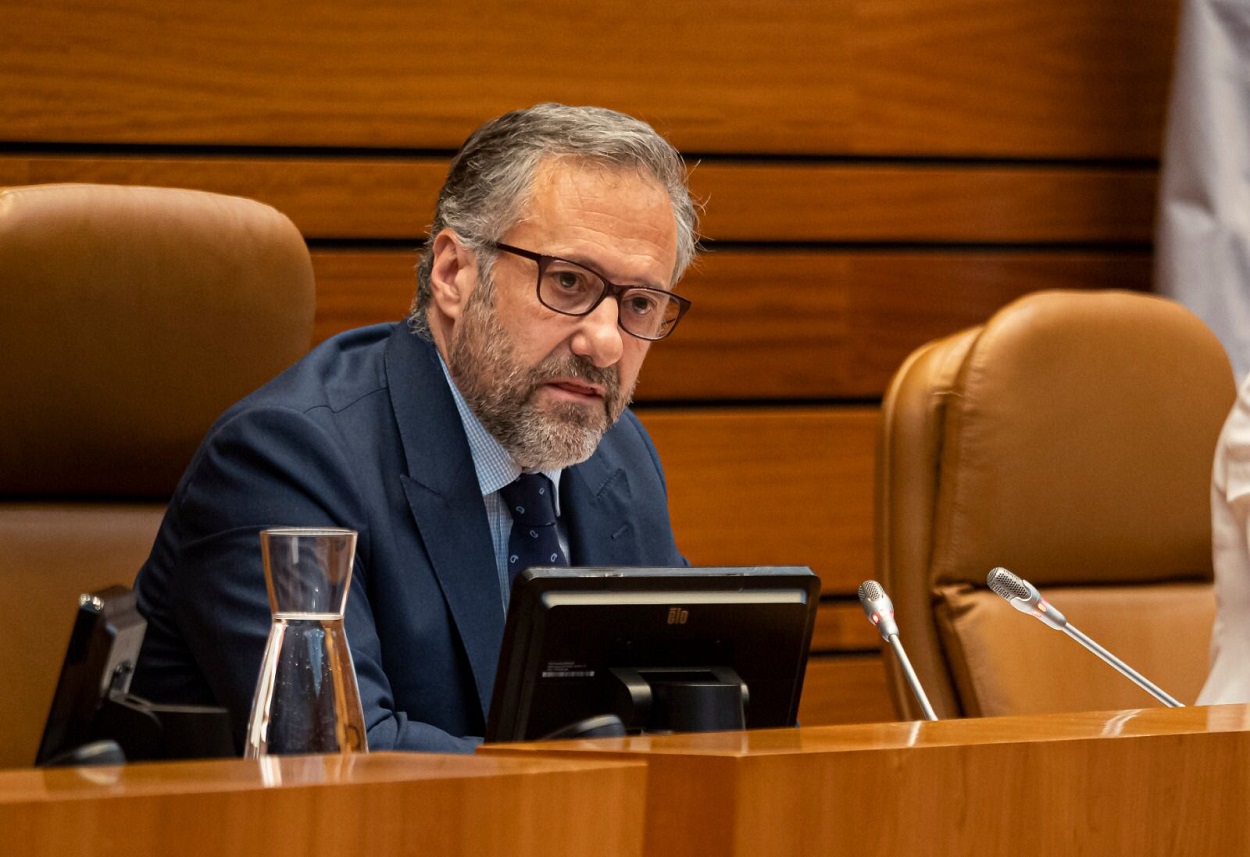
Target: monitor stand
<point x="681" y="699"/>
<point x="599" y="726"/>
<point x="147" y="730"/>
<point x="666" y="699"/>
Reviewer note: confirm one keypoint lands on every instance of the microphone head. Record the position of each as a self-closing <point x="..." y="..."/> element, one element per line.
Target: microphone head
<point x="878" y="608"/>
<point x="1006" y="584"/>
<point x="870" y="590"/>
<point x="1023" y="596"/>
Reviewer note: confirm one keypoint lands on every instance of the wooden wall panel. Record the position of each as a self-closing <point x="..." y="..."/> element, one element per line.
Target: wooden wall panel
<point x="1014" y="76"/>
<point x="751" y="201"/>
<point x="936" y="202"/>
<point x="777" y="486"/>
<point x="849" y="689"/>
<point x="842" y="626"/>
<point x="359" y="287"/>
<point x="782" y="324"/>
<point x="327" y="198"/>
<point x="816" y="324"/>
<point x="1068" y="78"/>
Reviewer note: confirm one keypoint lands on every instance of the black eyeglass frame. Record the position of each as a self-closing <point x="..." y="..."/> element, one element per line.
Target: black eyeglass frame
<point x="609" y="288"/>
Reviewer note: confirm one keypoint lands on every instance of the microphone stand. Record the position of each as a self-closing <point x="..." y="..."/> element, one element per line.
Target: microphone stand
<point x="880" y="612"/>
<point x="1117" y="664"/>
<point x="912" y="681"/>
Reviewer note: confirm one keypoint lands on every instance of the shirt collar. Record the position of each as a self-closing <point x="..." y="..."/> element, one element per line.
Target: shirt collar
<point x="494" y="465"/>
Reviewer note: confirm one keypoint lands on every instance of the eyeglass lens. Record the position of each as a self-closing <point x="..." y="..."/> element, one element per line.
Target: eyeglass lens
<point x="573" y="290"/>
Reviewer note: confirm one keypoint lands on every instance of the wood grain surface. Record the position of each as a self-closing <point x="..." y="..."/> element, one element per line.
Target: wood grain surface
<point x="360" y="197"/>
<point x="960" y="77"/>
<point x="1144" y="782"/>
<point x="376" y="804"/>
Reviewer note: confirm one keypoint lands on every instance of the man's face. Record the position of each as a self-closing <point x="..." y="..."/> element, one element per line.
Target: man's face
<point x="549" y="385"/>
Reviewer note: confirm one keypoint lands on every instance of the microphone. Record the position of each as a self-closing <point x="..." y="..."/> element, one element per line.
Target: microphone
<point x="1023" y="596"/>
<point x="880" y="612"/>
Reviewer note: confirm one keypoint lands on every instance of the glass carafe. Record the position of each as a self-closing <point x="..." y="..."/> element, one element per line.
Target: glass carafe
<point x="307" y="699"/>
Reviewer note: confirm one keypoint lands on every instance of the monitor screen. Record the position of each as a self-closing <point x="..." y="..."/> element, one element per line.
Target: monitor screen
<point x="662" y="649"/>
<point x="103" y="648"/>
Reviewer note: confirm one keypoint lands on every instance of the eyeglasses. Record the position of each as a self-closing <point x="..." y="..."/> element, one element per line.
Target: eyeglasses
<point x="572" y="289"/>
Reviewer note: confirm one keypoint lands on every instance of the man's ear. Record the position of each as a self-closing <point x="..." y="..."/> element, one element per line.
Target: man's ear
<point x="453" y="275"/>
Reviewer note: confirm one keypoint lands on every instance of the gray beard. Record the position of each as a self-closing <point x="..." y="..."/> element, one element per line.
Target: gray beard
<point x="501" y="392"/>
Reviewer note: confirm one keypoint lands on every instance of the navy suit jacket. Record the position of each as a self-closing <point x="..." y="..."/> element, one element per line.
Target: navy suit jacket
<point x="363" y="433"/>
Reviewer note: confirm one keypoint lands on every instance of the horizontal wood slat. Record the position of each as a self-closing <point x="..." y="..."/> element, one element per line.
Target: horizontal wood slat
<point x="336" y="198"/>
<point x="845" y="689"/>
<point x="918" y="202"/>
<point x="393" y="198"/>
<point x="841" y="626"/>
<point x="998" y="77"/>
<point x="359" y="287"/>
<point x="792" y="324"/>
<point x="774" y="324"/>
<point x="775" y="486"/>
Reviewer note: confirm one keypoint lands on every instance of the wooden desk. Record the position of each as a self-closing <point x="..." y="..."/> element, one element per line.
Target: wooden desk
<point x="1142" y="782"/>
<point x="368" y="805"/>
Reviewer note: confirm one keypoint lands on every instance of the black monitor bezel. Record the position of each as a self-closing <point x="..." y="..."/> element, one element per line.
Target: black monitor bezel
<point x="529" y="611"/>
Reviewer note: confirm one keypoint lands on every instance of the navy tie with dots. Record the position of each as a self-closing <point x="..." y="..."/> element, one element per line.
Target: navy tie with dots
<point x="533" y="540"/>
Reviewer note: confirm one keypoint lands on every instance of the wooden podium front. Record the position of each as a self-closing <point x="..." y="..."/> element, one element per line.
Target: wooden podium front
<point x="1142" y="782"/>
<point x="354" y="806"/>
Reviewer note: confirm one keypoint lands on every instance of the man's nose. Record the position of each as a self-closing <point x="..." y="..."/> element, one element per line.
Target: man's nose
<point x="599" y="335"/>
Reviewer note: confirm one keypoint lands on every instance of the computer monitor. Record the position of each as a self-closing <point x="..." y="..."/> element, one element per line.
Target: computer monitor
<point x="659" y="649"/>
<point x="103" y="648"/>
<point x="94" y="719"/>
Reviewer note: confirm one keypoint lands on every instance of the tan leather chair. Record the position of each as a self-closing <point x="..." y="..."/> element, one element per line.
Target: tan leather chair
<point x="1070" y="440"/>
<point x="130" y="317"/>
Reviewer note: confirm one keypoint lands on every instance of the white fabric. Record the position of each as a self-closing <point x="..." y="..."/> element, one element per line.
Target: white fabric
<point x="1202" y="243"/>
<point x="1229" y="680"/>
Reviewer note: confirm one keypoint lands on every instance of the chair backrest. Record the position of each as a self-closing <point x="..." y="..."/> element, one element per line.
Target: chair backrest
<point x="130" y="317"/>
<point x="1070" y="440"/>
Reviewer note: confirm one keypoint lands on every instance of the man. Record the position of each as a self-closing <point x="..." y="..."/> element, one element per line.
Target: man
<point x="520" y="355"/>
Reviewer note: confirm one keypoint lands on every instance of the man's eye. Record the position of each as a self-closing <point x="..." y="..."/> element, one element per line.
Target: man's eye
<point x="570" y="280"/>
<point x="641" y="305"/>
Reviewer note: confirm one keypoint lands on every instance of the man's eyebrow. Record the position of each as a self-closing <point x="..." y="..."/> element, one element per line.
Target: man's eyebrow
<point x="590" y="265"/>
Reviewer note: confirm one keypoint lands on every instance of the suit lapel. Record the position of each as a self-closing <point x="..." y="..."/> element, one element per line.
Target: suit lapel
<point x="446" y="503"/>
<point x="595" y="501"/>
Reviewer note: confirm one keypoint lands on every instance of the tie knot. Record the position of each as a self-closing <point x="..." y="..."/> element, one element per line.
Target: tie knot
<point x="530" y="500"/>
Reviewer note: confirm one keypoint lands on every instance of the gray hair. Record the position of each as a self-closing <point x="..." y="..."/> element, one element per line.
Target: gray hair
<point x="490" y="179"/>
